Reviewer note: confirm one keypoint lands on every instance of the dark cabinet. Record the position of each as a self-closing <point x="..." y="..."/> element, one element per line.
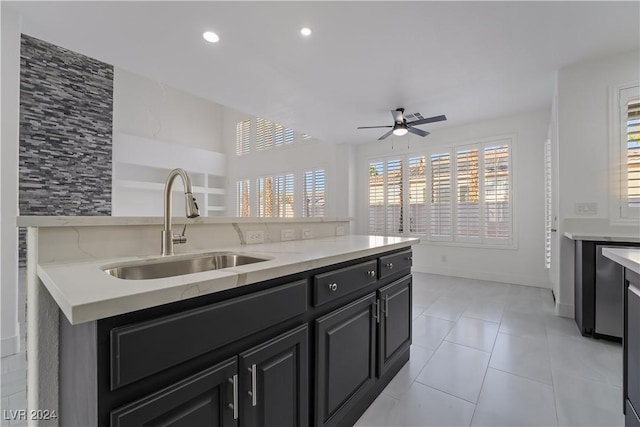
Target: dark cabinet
<point x="274" y="382"/>
<point x="205" y="399"/>
<point x="313" y="348"/>
<point x="264" y="386"/>
<point x="368" y="336"/>
<point x="345" y="358"/>
<point x="631" y="345"/>
<point x="394" y="331"/>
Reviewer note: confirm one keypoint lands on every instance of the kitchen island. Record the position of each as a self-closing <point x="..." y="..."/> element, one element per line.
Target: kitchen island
<point x="296" y="317"/>
<point x="630" y="259"/>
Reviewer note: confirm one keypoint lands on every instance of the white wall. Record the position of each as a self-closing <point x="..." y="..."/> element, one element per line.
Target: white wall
<point x="522" y="265"/>
<point x="296" y="158"/>
<point x="147" y="108"/>
<point x="583" y="148"/>
<point x="10" y="90"/>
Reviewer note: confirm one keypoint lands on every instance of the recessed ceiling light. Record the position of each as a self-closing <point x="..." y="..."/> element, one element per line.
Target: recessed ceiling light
<point x="211" y="37"/>
<point x="305" y="31"/>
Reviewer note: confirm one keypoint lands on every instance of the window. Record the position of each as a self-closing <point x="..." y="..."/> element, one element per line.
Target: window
<point x="627" y="149"/>
<point x="243" y="198"/>
<point x="243" y="137"/>
<point x="386" y="196"/>
<point x="313" y="194"/>
<point x="469" y="194"/>
<point x="275" y="196"/>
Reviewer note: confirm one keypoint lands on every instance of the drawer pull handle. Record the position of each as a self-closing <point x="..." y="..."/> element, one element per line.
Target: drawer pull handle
<point x="409" y="258"/>
<point x="376" y="311"/>
<point x="333" y="287"/>
<point x="234" y="405"/>
<point x="389" y="265"/>
<point x="371" y="273"/>
<point x="254" y="385"/>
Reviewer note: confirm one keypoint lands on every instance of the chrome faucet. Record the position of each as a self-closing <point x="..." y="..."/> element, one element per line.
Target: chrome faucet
<point x="191" y="208"/>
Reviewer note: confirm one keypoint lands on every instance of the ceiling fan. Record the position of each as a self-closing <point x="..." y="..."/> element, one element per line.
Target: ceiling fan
<point x="401" y="126"/>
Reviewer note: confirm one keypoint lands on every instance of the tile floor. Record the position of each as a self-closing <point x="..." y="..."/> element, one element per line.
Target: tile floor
<point x="494" y="354"/>
<point x="483" y="353"/>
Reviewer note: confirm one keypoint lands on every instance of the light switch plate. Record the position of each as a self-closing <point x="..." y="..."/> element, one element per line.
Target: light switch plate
<point x="586" y="208"/>
<point x="253" y="237"/>
<point x="307" y="234"/>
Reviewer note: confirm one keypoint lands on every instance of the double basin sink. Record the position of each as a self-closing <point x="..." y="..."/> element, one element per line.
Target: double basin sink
<point x="179" y="265"/>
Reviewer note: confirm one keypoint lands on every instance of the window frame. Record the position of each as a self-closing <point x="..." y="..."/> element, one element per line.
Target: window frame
<point x="619" y="211"/>
<point x="483" y="241"/>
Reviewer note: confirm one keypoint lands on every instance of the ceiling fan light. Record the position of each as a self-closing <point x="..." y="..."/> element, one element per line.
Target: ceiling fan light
<point x="399" y="131"/>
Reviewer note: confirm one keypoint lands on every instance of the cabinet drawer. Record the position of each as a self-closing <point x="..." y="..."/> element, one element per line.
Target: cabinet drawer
<point x="394" y="263"/>
<point x="337" y="283"/>
<point x="144" y="348"/>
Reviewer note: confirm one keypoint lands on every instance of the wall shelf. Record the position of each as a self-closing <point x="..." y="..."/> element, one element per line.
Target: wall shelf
<point x="140" y="169"/>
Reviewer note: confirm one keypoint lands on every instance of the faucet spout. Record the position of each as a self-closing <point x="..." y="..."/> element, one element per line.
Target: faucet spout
<point x="191" y="209"/>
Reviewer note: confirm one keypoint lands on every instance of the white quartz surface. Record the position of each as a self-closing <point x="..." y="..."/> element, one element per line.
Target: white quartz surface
<point x="603" y="236"/>
<point x="84" y="292"/>
<point x="79" y="221"/>
<point x="628" y="257"/>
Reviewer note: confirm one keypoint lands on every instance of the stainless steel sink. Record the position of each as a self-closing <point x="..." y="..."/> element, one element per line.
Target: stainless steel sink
<point x="179" y="265"/>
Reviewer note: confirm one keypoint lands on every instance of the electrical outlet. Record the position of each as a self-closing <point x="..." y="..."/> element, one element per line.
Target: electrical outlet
<point x="340" y="230"/>
<point x="256" y="236"/>
<point x="288" y="234"/>
<point x="307" y="234"/>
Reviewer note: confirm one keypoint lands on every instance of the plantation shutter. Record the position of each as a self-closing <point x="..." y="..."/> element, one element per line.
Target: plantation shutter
<point x="467" y="195"/>
<point x="243" y="137"/>
<point x="264" y="134"/>
<point x="633" y="154"/>
<point x="376" y="198"/>
<point x="394" y="197"/>
<point x="497" y="189"/>
<point x="264" y="193"/>
<point x="440" y="212"/>
<point x="243" y="198"/>
<point x="417" y="195"/>
<point x="284" y="186"/>
<point x="314" y="197"/>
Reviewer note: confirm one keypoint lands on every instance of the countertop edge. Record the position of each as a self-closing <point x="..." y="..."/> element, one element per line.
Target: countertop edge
<point x="628" y="258"/>
<point x="199" y="284"/>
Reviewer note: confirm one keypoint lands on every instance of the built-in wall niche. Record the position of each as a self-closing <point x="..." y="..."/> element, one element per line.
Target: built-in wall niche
<point x="140" y="169"/>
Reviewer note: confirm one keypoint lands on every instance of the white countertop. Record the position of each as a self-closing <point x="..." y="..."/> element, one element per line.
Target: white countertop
<point x="84" y="292"/>
<point x="627" y="257"/>
<point x="601" y="236"/>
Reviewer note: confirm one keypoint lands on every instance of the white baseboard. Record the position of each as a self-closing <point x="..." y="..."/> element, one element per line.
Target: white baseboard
<point x="10" y="345"/>
<point x="484" y="275"/>
<point x="565" y="310"/>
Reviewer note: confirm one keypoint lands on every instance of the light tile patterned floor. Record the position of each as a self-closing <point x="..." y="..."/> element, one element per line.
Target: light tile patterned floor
<point x="484" y="354"/>
<point x="494" y="354"/>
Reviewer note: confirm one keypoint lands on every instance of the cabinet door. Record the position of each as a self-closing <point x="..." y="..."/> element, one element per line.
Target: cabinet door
<point x="395" y="322"/>
<point x="345" y="358"/>
<point x="274" y="382"/>
<point x="633" y="345"/>
<point x="205" y="399"/>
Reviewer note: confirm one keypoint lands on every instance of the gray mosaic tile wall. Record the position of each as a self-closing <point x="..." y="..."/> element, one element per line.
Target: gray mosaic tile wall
<point x="66" y="110"/>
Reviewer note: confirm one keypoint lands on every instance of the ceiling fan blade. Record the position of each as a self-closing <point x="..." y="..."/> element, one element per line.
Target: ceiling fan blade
<point x="427" y="120"/>
<point x="385" y="135"/>
<point x="417" y="131"/>
<point x="373" y="127"/>
<point x="398" y="115"/>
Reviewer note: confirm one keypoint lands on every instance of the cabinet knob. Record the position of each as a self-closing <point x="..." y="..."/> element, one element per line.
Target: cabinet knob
<point x="371" y="273"/>
<point x="333" y="286"/>
<point x="389" y="265"/>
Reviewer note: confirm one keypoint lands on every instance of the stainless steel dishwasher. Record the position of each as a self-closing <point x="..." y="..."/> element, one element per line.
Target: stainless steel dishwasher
<point x="609" y="295"/>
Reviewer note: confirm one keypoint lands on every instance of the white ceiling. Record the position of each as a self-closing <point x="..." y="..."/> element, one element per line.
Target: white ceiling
<point x="468" y="60"/>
